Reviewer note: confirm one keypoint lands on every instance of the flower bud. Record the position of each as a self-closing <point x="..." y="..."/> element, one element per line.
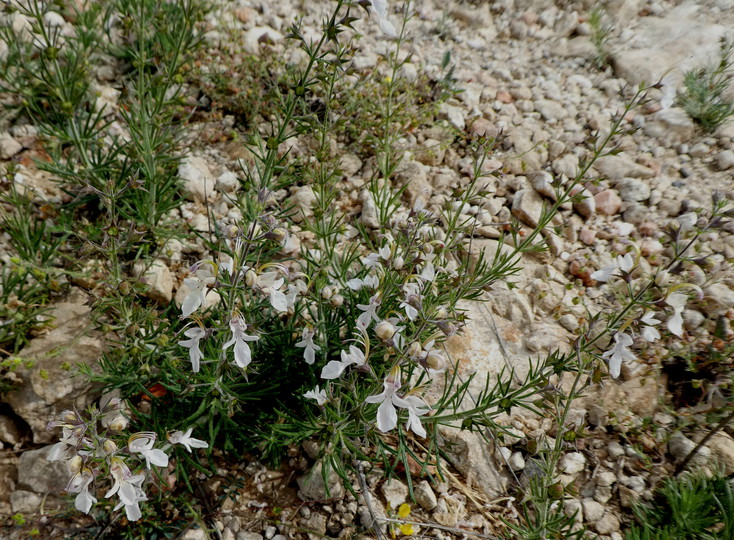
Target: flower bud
<point x="398" y="262"/>
<point x="662" y="278"/>
<point x="327" y="292"/>
<point x="435" y="360"/>
<point x="109" y="446"/>
<point x="250" y="277"/>
<point x="279" y="234"/>
<point x="118" y="424"/>
<point x="75" y="464"/>
<point x="69" y="416"/>
<point x="385" y="330"/>
<point x="337" y="300"/>
<point x="414" y="349"/>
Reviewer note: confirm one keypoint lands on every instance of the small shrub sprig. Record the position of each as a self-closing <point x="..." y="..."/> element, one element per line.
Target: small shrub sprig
<point x="96" y="448"/>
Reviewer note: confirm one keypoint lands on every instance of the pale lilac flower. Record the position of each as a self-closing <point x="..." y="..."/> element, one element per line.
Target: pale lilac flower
<point x="318" y="394"/>
<point x="387" y="415"/>
<point x="416" y="408"/>
<point x="370" y="312"/>
<point x="619" y="353"/>
<point x="380" y="9"/>
<point x="269" y="281"/>
<point x="79" y="483"/>
<point x="185" y="439"/>
<point x="142" y="443"/>
<point x="198" y="286"/>
<point x="428" y="274"/>
<point x="385" y="252"/>
<point x="126" y="484"/>
<point x="195" y="335"/>
<point x="63" y="449"/>
<point x="676" y="300"/>
<point x="132" y="509"/>
<point x="309" y="354"/>
<point x="371" y="261"/>
<point x="625" y="263"/>
<point x="368" y="281"/>
<point x="242" y="353"/>
<point x="335" y="368"/>
<point x="649" y="332"/>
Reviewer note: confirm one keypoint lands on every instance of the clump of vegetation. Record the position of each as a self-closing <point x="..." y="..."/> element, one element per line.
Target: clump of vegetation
<point x="704" y="98"/>
<point x="600" y="32"/>
<point x="692" y="507"/>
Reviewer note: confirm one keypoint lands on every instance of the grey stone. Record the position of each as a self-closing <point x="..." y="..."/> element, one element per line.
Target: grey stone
<point x="527" y="206"/>
<point x="395" y="492"/>
<point x="725" y="160"/>
<point x="414" y="176"/>
<point x="424" y="496"/>
<point x="633" y="190"/>
<point x="9" y="432"/>
<point x="607" y="524"/>
<point x="36" y="473"/>
<point x="227" y="182"/>
<point x="542" y="183"/>
<point x="593" y="511"/>
<point x="246" y="535"/>
<point x="25" y="502"/>
<point x="616" y="167"/>
<point x="573" y="463"/>
<point x="454" y="114"/>
<point x="550" y="110"/>
<point x="258" y="35"/>
<point x="671" y="126"/>
<point x="313" y="488"/>
<point x="471" y="455"/>
<point x="680" y="446"/>
<point x="303" y="199"/>
<point x="8" y="146"/>
<point x="48" y="387"/>
<point x="157" y="278"/>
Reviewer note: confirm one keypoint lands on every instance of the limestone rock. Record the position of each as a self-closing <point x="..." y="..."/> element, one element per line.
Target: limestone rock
<point x="158" y="279"/>
<point x="48" y="387"/>
<point x="472" y="456"/>
<point x="198" y="183"/>
<point x="313" y="488"/>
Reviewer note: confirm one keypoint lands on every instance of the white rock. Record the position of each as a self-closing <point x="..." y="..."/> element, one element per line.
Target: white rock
<point x="593" y="511"/>
<point x="680" y="446"/>
<point x="573" y="463"/>
<point x="516" y="461"/>
<point x="258" y="35"/>
<point x="51" y="18"/>
<point x="527" y="206"/>
<point x="725" y="160"/>
<point x="106" y="99"/>
<point x="8" y="146"/>
<point x="454" y="114"/>
<point x="369" y="217"/>
<point x="424" y="496"/>
<point x="158" y="279"/>
<point x="312" y="487"/>
<point x="227" y="182"/>
<point x="671" y="126"/>
<point x="198" y="183"/>
<point x="395" y="492"/>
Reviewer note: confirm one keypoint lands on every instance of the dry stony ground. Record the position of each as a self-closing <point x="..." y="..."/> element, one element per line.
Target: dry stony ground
<point x="526" y="74"/>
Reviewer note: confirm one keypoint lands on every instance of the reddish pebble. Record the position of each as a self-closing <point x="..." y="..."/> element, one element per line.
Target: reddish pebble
<point x="504" y="97"/>
<point x="608" y="202"/>
<point x="648" y="228"/>
<point x="587" y="236"/>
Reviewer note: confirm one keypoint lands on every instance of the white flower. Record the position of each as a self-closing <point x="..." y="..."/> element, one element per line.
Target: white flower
<point x="370" y="312"/>
<point x="428" y="274"/>
<point x="649" y="332"/>
<point x="416" y="407"/>
<point x="198" y="286"/>
<point x="371" y="261"/>
<point x="79" y="483"/>
<point x="625" y="263"/>
<point x="677" y="301"/>
<point x="619" y="353"/>
<point x="126" y="484"/>
<point x="318" y="394"/>
<point x="269" y="281"/>
<point x="132" y="509"/>
<point x="142" y="443"/>
<point x="412" y="291"/>
<point x="242" y="353"/>
<point x="195" y="335"/>
<point x="185" y="439"/>
<point x="380" y="9"/>
<point x="334" y="369"/>
<point x="309" y="354"/>
<point x="387" y="415"/>
<point x="368" y="281"/>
